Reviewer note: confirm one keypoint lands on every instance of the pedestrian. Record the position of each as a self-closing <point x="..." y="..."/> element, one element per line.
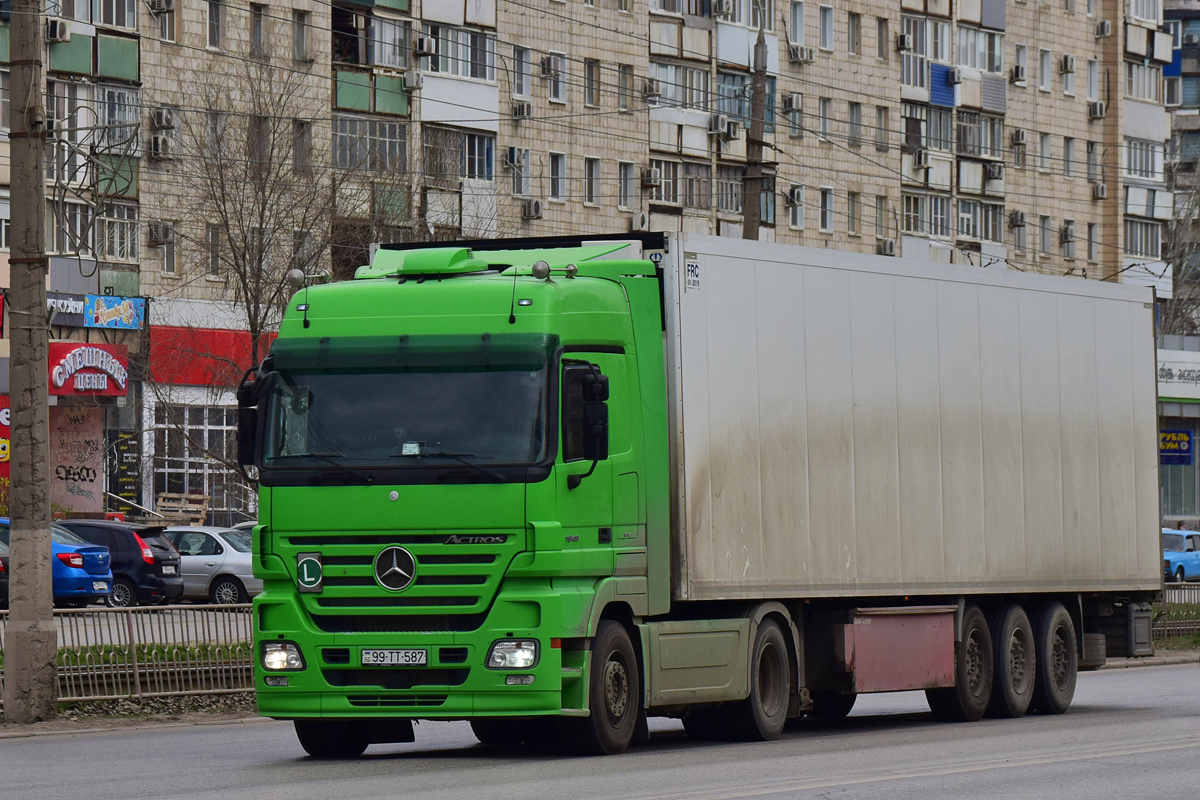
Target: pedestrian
<point x="1180" y="526"/>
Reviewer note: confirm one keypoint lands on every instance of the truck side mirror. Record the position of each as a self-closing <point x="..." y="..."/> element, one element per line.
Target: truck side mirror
<point x="249" y="394"/>
<point x="585" y="416"/>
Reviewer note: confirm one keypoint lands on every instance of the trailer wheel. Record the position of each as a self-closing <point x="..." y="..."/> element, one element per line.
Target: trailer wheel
<point x="1014" y="673"/>
<point x="330" y="738"/>
<point x="761" y="716"/>
<point x="615" y="691"/>
<point x="1057" y="660"/>
<point x="968" y="698"/>
<point x="828" y="704"/>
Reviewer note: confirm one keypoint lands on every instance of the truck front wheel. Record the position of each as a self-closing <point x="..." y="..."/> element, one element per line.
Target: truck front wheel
<point x="331" y="738"/>
<point x="615" y="690"/>
<point x="1057" y="660"/>
<point x="1016" y="660"/>
<point x="968" y="698"/>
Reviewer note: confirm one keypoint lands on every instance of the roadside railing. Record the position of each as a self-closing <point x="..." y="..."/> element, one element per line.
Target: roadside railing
<point x="112" y="653"/>
<point x="1179" y="614"/>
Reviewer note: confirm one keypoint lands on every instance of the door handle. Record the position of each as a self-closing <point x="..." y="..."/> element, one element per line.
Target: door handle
<point x="210" y="563"/>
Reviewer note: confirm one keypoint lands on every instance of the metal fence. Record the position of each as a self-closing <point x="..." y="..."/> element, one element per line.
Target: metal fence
<point x="1179" y="614"/>
<point x="110" y="653"/>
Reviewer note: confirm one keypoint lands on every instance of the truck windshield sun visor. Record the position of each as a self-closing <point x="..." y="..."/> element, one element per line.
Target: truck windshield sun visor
<point x="386" y="353"/>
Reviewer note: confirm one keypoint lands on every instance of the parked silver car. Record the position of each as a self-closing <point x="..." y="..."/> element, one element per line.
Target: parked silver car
<point x="216" y="564"/>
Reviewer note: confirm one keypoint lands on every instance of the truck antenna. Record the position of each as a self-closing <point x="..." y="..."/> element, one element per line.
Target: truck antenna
<point x="512" y="305"/>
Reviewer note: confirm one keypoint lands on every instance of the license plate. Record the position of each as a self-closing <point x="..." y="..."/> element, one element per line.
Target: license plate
<point x="387" y="658"/>
<point x="99" y="586"/>
<point x="168" y="569"/>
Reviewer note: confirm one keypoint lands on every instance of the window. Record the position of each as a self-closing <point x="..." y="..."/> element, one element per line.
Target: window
<point x="825" y="19"/>
<point x="1044" y="234"/>
<point x="1018" y="155"/>
<point x="939" y="135"/>
<point x="766" y="201"/>
<point x="881" y="220"/>
<point x="1142" y="238"/>
<point x="117" y="232"/>
<point x="670" y="6"/>
<point x="939" y="41"/>
<point x="1143" y="159"/>
<point x="258" y="32"/>
<point x="1020" y="241"/>
<point x="519" y="165"/>
<point x="1144" y="9"/>
<point x="302" y="146"/>
<point x="591" y="82"/>
<point x="68" y="227"/>
<point x="1068" y="156"/>
<point x="881" y="128"/>
<point x="687" y="87"/>
<point x="119" y="111"/>
<point x="968" y="219"/>
<point x="882" y="43"/>
<point x="213" y="248"/>
<point x="624" y="86"/>
<point x="695" y="191"/>
<point x="304" y="251"/>
<point x="558" y="176"/>
<point x="299" y="35"/>
<point x="1021" y="62"/>
<point x="761" y="14"/>
<point x="462" y="53"/>
<point x="591" y="181"/>
<point x="626" y="185"/>
<point x="916" y="213"/>
<point x="1045" y="68"/>
<point x="558" y="86"/>
<point x="168" y="250"/>
<point x="258" y="145"/>
<point x="192" y="446"/>
<point x="1172" y="94"/>
<point x="1175" y="28"/>
<point x="1043" y="151"/>
<point x="667" y="190"/>
<point x="824" y="116"/>
<point x="117" y="13"/>
<point x="914" y="68"/>
<point x="68" y="104"/>
<point x="980" y="49"/>
<point x="1093" y="246"/>
<point x="1068" y="76"/>
<point x="1093" y="162"/>
<point x="373" y="144"/>
<point x="215" y="23"/>
<point x="729" y="189"/>
<point x="796" y="207"/>
<point x="826" y="218"/>
<point x="853" y="213"/>
<point x="479" y="156"/>
<point x="795" y="28"/>
<point x="795" y="117"/>
<point x="1093" y="79"/>
<point x="991" y="222"/>
<point x="1142" y="82"/>
<point x="1068" y="239"/>
<point x="166" y="27"/>
<point x="388" y="42"/>
<point x="855" y="117"/>
<point x="520" y="72"/>
<point x="980" y="135"/>
<point x="854" y="32"/>
<point x="939" y="216"/>
<point x="915" y="118"/>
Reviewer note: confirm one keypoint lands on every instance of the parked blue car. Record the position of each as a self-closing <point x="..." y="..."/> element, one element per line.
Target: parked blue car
<point x="1181" y="555"/>
<point x="80" y="570"/>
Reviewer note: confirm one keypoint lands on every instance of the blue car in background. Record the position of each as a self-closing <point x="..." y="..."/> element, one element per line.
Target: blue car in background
<point x="80" y="570"/>
<point x="1181" y="555"/>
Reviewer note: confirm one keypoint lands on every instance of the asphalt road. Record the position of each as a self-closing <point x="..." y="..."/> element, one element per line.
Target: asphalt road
<point x="1131" y="734"/>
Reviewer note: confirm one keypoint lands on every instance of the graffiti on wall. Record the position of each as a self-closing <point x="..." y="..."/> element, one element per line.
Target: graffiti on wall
<point x="77" y="458"/>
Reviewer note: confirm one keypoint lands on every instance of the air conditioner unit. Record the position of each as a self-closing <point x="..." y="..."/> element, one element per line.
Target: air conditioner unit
<point x="886" y="247"/>
<point x="1103" y="29"/>
<point x="161" y="146"/>
<point x="1067" y="233"/>
<point x="717" y="124"/>
<point x="651" y="177"/>
<point x="531" y="209"/>
<point x="548" y="68"/>
<point x="522" y="109"/>
<point x="1067" y="64"/>
<point x="160" y="232"/>
<point x="422" y="47"/>
<point x="1191" y="39"/>
<point x="1099" y="191"/>
<point x="162" y="118"/>
<point x="994" y="170"/>
<point x="161" y="6"/>
<point x="954" y="76"/>
<point x="650" y="88"/>
<point x="792" y="102"/>
<point x="414" y="80"/>
<point x="722" y="8"/>
<point x="920" y="159"/>
<point x="1017" y="75"/>
<point x="795" y="196"/>
<point x="1096" y="109"/>
<point x="808" y="55"/>
<point x="794" y="53"/>
<point x="57" y="31"/>
<point x="639" y="222"/>
<point x="904" y="42"/>
<point x="732" y="130"/>
<point x="1018" y="137"/>
<point x="1016" y="219"/>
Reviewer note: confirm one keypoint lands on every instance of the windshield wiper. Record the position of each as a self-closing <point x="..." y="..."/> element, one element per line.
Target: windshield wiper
<point x="332" y="459"/>
<point x="460" y="458"/>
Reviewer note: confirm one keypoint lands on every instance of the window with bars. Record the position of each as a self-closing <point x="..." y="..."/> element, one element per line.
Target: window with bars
<point x="119" y="109"/>
<point x="116" y="237"/>
<point x="369" y="144"/>
<point x="193" y="446"/>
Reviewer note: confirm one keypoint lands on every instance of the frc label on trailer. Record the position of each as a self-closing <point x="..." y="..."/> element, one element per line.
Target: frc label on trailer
<point x="691" y="276"/>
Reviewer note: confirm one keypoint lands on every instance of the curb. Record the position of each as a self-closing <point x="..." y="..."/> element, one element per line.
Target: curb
<point x="24" y="734"/>
<point x="1150" y="661"/>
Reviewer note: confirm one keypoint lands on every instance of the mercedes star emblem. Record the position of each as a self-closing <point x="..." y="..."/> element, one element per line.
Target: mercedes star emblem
<point x="395" y="568"/>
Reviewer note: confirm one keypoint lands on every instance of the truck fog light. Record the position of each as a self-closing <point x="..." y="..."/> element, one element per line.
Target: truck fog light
<point x="276" y="680"/>
<point x="513" y="654"/>
<point x="514" y="680"/>
<point x="281" y="656"/>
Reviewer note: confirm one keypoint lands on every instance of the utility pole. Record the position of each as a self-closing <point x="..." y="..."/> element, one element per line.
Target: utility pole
<point x="30" y="639"/>
<point x="753" y="187"/>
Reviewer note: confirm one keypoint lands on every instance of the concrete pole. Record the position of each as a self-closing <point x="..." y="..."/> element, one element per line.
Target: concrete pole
<point x="30" y="640"/>
<point x="752" y="202"/>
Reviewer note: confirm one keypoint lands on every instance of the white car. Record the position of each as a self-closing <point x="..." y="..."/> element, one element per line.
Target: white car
<point x="216" y="563"/>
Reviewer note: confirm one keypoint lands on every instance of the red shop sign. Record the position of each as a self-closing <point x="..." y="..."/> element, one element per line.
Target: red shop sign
<point x="89" y="369"/>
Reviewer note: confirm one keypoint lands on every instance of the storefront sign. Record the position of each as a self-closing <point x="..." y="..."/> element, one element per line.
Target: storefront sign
<point x="89" y="369"/>
<point x="1175" y="447"/>
<point x="1178" y="375"/>
<point x="5" y="435"/>
<point x="124" y="478"/>
<point x="106" y="311"/>
<point x="65" y="310"/>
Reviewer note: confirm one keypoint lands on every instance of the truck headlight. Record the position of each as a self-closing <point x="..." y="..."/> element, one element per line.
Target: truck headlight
<point x="513" y="654"/>
<point x="278" y="656"/>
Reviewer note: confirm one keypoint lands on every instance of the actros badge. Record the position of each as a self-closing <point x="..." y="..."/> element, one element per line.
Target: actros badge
<point x="395" y="568"/>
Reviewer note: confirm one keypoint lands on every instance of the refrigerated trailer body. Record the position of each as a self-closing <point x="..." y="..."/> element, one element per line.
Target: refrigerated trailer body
<point x="555" y="487"/>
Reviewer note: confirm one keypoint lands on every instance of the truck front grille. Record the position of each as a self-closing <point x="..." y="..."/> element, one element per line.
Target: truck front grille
<point x="395" y="678"/>
<point x="388" y="701"/>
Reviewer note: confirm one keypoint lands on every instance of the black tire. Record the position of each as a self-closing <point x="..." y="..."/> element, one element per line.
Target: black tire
<point x="123" y="594"/>
<point x="226" y="590"/>
<point x="973" y="662"/>
<point x="615" y="692"/>
<point x="829" y="704"/>
<point x="1015" y="669"/>
<point x="761" y="716"/>
<point x="1179" y="575"/>
<point x="501" y="732"/>
<point x="1057" y="660"/>
<point x="330" y="738"/>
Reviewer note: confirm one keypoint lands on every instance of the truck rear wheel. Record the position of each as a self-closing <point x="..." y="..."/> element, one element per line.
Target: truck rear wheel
<point x="331" y="738"/>
<point x="761" y="716"/>
<point x="1016" y="663"/>
<point x="1057" y="660"/>
<point x="968" y="698"/>
<point x="615" y="691"/>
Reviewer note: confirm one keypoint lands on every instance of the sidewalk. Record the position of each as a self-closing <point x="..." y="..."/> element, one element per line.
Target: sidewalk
<point x="1162" y="659"/>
